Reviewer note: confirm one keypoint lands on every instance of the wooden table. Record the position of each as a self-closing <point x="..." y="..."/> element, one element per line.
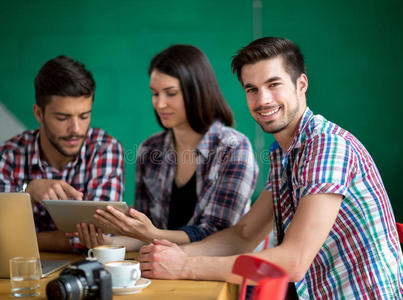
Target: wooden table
<point x="158" y="289"/>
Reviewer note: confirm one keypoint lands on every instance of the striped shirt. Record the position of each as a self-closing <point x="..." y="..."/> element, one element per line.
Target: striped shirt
<point x="97" y="171"/>
<point x="361" y="258"/>
<point x="226" y="173"/>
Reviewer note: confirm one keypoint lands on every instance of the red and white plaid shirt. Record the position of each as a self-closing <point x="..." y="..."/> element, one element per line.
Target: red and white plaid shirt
<point x="97" y="171"/>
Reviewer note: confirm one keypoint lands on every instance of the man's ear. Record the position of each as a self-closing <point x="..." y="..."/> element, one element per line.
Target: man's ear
<point x="302" y="84"/>
<point x="38" y="113"/>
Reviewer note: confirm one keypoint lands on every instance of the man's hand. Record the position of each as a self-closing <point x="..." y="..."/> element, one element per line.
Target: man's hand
<point x="136" y="225"/>
<point x="163" y="259"/>
<point x="51" y="189"/>
<point x="90" y="236"/>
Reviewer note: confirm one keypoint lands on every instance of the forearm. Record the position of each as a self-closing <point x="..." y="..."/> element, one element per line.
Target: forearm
<point x="175" y="236"/>
<point x="242" y="237"/>
<point x="53" y="241"/>
<point x="229" y="241"/>
<point x="286" y="257"/>
<point x="211" y="268"/>
<point x="138" y="226"/>
<point x="220" y="268"/>
<point x="131" y="244"/>
<point x="305" y="235"/>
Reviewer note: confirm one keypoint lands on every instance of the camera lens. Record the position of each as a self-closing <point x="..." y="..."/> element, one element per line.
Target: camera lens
<point x="65" y="288"/>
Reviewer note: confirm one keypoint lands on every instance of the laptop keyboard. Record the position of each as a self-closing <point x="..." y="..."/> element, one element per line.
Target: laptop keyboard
<point x="50" y="266"/>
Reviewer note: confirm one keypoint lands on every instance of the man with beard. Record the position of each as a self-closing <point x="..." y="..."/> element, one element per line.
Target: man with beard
<point x="64" y="158"/>
<point x="335" y="233"/>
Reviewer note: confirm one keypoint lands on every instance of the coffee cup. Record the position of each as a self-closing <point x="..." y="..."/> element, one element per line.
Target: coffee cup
<point x="125" y="273"/>
<point x="106" y="253"/>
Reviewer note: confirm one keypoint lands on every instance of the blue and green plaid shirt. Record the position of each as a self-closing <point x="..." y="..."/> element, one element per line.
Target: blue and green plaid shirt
<point x="361" y="258"/>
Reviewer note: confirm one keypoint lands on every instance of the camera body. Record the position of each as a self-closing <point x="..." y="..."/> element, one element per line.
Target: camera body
<point x="85" y="279"/>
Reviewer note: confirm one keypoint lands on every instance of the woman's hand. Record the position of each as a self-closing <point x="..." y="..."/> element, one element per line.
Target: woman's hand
<point x="136" y="224"/>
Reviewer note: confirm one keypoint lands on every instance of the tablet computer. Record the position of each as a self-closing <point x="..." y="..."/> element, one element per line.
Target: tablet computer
<point x="68" y="213"/>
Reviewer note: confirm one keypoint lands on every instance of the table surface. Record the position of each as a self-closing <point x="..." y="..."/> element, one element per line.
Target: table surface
<point x="158" y="289"/>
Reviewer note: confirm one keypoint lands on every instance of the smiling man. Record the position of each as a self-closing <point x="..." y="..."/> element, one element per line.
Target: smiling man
<point x="335" y="233"/>
<point x="64" y="158"/>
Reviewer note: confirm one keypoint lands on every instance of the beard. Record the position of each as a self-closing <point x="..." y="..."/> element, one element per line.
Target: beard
<point x="53" y="139"/>
<point x="267" y="128"/>
<point x="279" y="125"/>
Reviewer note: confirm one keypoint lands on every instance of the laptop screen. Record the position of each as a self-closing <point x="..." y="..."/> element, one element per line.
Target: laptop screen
<point x="17" y="229"/>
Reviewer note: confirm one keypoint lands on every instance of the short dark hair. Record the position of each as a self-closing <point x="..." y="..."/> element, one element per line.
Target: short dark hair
<point x="270" y="47"/>
<point x="62" y="76"/>
<point x="203" y="99"/>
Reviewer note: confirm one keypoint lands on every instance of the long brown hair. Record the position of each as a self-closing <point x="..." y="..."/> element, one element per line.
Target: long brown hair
<point x="204" y="102"/>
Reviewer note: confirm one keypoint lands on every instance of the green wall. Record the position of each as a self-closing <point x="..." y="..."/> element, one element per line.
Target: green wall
<point x="353" y="54"/>
<point x="354" y="58"/>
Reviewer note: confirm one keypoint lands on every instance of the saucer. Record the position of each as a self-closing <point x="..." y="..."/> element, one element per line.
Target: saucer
<point x="140" y="284"/>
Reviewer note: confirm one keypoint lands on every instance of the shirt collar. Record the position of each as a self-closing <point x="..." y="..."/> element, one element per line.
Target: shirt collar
<point x="203" y="147"/>
<point x="168" y="142"/>
<point x="300" y="134"/>
<point x="36" y="154"/>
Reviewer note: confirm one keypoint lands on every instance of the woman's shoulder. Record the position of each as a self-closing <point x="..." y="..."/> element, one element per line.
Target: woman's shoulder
<point x="155" y="141"/>
<point x="228" y="136"/>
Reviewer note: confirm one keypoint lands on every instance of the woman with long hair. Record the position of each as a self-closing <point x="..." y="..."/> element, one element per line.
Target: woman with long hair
<point x="196" y="176"/>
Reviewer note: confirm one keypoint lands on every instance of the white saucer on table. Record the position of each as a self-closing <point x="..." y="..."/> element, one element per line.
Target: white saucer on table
<point x="140" y="284"/>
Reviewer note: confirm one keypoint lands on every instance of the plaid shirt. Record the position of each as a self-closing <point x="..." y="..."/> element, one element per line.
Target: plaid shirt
<point x="97" y="171"/>
<point x="226" y="174"/>
<point x="361" y="258"/>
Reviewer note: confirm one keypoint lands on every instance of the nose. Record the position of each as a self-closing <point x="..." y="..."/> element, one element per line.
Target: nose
<point x="264" y="97"/>
<point x="161" y="102"/>
<point x="74" y="126"/>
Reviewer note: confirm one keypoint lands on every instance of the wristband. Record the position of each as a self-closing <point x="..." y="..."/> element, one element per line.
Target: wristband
<point x="24" y="187"/>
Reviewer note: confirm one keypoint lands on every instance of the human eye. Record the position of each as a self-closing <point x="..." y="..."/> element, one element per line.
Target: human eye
<point x="171" y="92"/>
<point x="274" y="84"/>
<point x="250" y="90"/>
<point x="84" y="116"/>
<point x="61" y="118"/>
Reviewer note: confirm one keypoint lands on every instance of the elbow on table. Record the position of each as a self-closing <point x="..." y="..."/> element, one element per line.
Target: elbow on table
<point x="296" y="267"/>
<point x="296" y="276"/>
<point x="297" y="272"/>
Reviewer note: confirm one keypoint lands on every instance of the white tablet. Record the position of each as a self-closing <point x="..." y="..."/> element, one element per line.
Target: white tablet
<point x="68" y="213"/>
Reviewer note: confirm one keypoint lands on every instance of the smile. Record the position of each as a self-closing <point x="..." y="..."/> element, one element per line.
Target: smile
<point x="269" y="113"/>
<point x="73" y="142"/>
<point x="164" y="115"/>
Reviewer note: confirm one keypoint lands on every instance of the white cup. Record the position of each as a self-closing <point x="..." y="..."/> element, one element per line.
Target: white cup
<point x="106" y="253"/>
<point x="125" y="273"/>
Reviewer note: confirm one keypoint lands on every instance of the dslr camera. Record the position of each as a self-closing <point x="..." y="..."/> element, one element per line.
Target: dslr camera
<point x="85" y="279"/>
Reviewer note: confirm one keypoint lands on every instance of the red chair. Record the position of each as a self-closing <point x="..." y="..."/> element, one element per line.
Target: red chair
<point x="399" y="227"/>
<point x="266" y="242"/>
<point x="272" y="280"/>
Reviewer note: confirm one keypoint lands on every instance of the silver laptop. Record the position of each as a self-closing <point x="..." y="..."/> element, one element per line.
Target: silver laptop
<point x="17" y="233"/>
